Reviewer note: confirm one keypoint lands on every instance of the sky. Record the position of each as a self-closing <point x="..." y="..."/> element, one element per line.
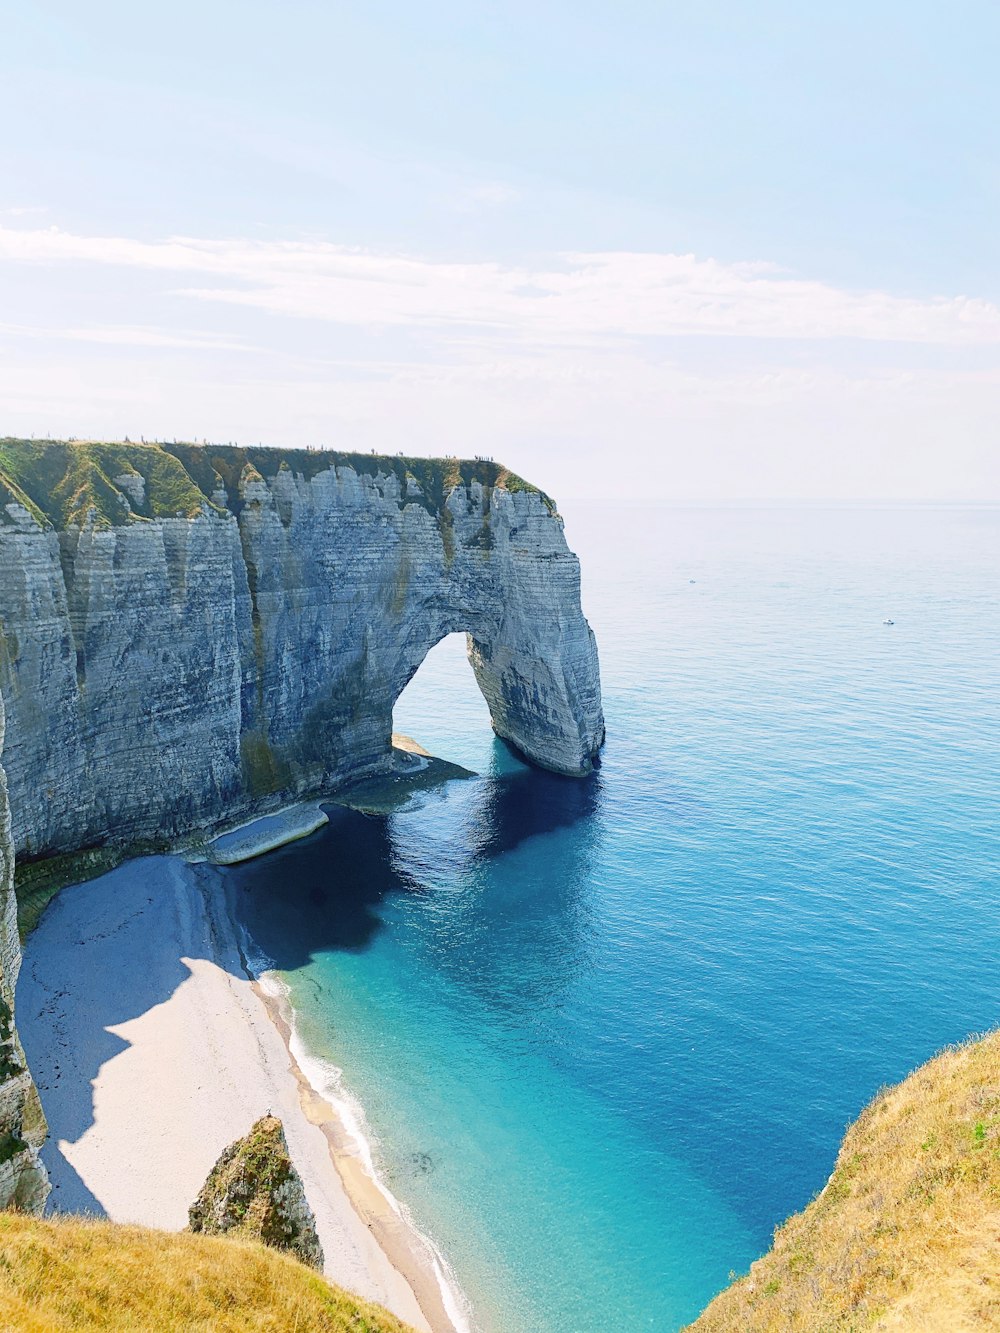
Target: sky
<point x="692" y="251"/>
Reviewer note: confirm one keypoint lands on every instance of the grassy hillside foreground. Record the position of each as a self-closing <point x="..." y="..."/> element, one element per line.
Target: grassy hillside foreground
<point x="906" y="1234"/>
<point x="62" y="1274"/>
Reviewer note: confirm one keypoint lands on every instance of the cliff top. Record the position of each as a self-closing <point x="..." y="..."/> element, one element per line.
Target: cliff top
<point x="62" y="1273"/>
<point x="62" y="482"/>
<point x="906" y="1233"/>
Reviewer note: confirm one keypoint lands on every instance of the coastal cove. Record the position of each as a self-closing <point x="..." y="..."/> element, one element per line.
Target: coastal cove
<point x="606" y="1036"/>
<point x="162" y="1050"/>
<point x="598" y="1036"/>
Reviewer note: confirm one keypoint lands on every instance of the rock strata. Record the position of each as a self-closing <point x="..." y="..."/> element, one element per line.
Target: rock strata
<point x="255" y="1192"/>
<point x="23" y="1180"/>
<point x="190" y="636"/>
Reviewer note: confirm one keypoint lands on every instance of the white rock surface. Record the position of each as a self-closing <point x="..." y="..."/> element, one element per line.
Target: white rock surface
<point x="170" y="674"/>
<point x="23" y="1180"/>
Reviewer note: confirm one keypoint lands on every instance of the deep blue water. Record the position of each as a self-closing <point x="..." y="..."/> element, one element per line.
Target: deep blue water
<point x="608" y="1034"/>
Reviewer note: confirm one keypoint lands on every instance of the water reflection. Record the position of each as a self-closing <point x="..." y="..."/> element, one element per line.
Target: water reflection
<point x="328" y="892"/>
<point x="514" y="933"/>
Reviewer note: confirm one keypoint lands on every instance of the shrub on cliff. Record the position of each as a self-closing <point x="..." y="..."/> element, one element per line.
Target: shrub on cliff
<point x="906" y="1233"/>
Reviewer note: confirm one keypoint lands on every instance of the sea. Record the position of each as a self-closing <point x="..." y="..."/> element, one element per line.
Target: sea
<point x="603" y="1036"/>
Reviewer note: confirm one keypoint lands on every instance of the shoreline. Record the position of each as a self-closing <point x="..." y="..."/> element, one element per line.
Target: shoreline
<point x="411" y="1253"/>
<point x="154" y="1047"/>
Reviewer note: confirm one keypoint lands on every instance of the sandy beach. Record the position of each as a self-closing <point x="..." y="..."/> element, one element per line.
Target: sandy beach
<point x="153" y="1050"/>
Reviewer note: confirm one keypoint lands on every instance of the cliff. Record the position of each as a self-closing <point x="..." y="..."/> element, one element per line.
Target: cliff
<point x="255" y="1192"/>
<point x="906" y="1233"/>
<point x="190" y="635"/>
<point x="67" y="1273"/>
<point x="23" y="1181"/>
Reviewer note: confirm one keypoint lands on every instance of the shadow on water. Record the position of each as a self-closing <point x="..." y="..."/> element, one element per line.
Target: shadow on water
<point x="326" y="893"/>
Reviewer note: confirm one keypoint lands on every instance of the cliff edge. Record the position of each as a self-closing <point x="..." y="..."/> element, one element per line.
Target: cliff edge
<point x="73" y="1273"/>
<point x="906" y="1233"/>
<point x="191" y="634"/>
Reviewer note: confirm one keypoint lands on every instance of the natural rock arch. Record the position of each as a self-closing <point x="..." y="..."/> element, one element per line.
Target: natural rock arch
<point x="233" y="632"/>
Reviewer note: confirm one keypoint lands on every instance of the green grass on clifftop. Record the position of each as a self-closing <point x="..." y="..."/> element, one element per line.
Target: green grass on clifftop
<point x="69" y="1274"/>
<point x="906" y="1234"/>
<point x="65" y="484"/>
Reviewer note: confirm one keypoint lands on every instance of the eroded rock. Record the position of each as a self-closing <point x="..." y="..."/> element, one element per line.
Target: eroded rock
<point x="235" y="641"/>
<point x="24" y="1183"/>
<point x="254" y="1191"/>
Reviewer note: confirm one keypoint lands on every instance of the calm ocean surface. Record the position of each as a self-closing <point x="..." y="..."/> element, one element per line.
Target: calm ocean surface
<point x="607" y="1034"/>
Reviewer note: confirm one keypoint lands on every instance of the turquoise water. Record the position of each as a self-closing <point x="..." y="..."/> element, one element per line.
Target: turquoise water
<point x="608" y="1034"/>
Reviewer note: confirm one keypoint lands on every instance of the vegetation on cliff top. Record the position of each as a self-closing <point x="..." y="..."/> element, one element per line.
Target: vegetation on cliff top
<point x="63" y="484"/>
<point x="66" y="483"/>
<point x="906" y="1234"/>
<point x="67" y="1273"/>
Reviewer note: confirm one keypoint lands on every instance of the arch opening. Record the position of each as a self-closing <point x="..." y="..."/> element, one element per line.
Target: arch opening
<point x="442" y="707"/>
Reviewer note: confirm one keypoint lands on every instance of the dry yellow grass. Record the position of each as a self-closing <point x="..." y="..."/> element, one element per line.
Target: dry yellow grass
<point x="64" y="1274"/>
<point x="906" y="1233"/>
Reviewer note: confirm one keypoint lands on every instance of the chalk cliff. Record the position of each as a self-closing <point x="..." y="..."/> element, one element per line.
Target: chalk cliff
<point x="189" y="635"/>
<point x="23" y="1181"/>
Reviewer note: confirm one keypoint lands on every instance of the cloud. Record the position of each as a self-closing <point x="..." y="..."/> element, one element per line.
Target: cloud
<point x="129" y="335"/>
<point x="579" y="298"/>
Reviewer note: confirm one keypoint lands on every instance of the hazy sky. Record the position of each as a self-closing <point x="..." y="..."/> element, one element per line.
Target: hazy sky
<point x="698" y="250"/>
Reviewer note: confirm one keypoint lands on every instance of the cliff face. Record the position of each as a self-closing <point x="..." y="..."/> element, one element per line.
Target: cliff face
<point x="188" y="635"/>
<point x="23" y="1181"/>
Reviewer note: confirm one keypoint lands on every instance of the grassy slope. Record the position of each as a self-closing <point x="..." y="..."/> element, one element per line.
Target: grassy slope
<point x="73" y="1274"/>
<point x="906" y="1234"/>
<point x="61" y="483"/>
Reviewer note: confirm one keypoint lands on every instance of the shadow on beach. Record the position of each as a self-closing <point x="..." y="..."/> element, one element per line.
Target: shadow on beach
<point x="95" y="961"/>
<point x="110" y="950"/>
<point x="325" y="893"/>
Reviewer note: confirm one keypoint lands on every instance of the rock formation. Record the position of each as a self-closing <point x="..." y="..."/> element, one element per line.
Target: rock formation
<point x="23" y="1181"/>
<point x="189" y="635"/>
<point x="254" y="1191"/>
<point x="192" y="635"/>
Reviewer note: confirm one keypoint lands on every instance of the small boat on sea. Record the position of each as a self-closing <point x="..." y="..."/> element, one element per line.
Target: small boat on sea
<point x="887" y="621"/>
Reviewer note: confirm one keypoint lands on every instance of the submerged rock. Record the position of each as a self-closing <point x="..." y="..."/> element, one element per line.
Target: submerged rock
<point x="254" y="1191"/>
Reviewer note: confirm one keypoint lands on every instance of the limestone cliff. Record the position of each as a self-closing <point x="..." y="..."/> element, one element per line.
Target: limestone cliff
<point x="23" y="1182"/>
<point x="255" y="1192"/>
<point x="189" y="634"/>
